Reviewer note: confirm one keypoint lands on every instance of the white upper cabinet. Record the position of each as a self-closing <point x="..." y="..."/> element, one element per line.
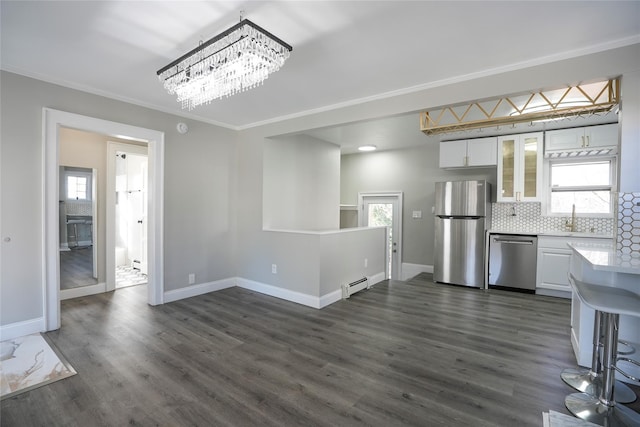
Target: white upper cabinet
<point x="478" y="152"/>
<point x="520" y="167"/>
<point x="577" y="139"/>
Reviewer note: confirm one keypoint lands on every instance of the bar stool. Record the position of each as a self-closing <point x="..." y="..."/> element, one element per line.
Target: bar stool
<point x="611" y="302"/>
<point x="590" y="380"/>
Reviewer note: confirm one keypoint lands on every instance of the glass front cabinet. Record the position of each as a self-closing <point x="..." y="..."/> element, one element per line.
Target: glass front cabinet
<point x="520" y="167"/>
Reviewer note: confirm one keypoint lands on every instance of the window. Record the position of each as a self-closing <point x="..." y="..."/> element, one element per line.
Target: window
<point x="587" y="184"/>
<point x="78" y="183"/>
<point x="77" y="187"/>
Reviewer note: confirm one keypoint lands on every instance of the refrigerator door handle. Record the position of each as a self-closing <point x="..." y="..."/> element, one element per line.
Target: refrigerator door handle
<point x="459" y="217"/>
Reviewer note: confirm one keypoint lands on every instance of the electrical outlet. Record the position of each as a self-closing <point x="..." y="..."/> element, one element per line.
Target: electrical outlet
<point x="192" y="278"/>
<point x="274" y="269"/>
<point x="366" y="262"/>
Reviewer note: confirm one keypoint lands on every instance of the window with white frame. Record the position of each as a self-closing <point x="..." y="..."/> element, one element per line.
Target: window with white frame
<point x="586" y="183"/>
<point x="78" y="185"/>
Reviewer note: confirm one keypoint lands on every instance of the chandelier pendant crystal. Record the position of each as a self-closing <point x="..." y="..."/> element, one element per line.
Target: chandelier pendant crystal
<point x="235" y="60"/>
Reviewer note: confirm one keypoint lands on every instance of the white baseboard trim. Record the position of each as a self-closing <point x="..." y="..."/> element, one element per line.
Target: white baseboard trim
<point x="412" y="270"/>
<point x="20" y="329"/>
<point x="83" y="291"/>
<point x="379" y="277"/>
<point x="330" y="298"/>
<point x="199" y="289"/>
<point x="286" y="294"/>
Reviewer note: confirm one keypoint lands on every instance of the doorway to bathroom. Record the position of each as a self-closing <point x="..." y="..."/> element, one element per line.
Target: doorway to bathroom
<point x="127" y="201"/>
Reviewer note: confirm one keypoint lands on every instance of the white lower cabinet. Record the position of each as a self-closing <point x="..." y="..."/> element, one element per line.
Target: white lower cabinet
<point x="554" y="256"/>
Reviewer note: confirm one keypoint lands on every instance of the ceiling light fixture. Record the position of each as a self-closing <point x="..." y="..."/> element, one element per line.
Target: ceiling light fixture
<point x="235" y="60"/>
<point x="367" y="148"/>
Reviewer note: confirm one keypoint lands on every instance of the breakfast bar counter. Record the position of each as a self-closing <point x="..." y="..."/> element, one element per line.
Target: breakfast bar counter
<point x="604" y="265"/>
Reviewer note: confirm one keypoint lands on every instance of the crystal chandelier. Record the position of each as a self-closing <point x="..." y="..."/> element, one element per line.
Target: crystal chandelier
<point x="238" y="59"/>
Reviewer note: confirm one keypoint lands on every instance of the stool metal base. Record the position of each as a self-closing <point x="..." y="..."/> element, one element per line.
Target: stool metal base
<point x="590" y="409"/>
<point x="584" y="381"/>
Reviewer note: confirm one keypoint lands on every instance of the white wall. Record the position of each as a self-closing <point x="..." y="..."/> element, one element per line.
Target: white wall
<point x="199" y="191"/>
<point x="301" y="184"/>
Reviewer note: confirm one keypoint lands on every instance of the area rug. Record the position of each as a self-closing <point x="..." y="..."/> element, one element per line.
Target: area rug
<point x="29" y="362"/>
<point x="556" y="419"/>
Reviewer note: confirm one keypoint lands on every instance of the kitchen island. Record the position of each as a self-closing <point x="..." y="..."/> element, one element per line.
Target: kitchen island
<point x="603" y="264"/>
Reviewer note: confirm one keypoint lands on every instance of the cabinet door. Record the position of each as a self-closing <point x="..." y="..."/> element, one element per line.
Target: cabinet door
<point x="482" y="152"/>
<point x="602" y="136"/>
<point x="506" y="169"/>
<point x="453" y="154"/>
<point x="531" y="168"/>
<point x="553" y="269"/>
<point x="520" y="167"/>
<point x="565" y="139"/>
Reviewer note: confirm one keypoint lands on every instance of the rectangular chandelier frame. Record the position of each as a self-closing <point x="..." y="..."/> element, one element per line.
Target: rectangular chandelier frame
<point x="571" y="101"/>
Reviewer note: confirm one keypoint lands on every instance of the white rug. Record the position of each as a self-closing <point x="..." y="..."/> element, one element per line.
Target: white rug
<point x="29" y="362"/>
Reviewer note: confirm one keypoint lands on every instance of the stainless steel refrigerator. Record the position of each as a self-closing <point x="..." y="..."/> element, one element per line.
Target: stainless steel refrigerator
<point x="462" y="215"/>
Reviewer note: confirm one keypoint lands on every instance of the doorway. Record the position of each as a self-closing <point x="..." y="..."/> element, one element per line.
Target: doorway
<point x="78" y="236"/>
<point x="385" y="210"/>
<point x="127" y="215"/>
<point x="53" y="120"/>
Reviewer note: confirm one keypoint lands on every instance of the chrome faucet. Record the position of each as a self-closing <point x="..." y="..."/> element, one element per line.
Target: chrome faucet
<point x="571" y="225"/>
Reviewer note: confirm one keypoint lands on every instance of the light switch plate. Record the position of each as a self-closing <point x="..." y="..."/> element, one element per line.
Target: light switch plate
<point x="417" y="214"/>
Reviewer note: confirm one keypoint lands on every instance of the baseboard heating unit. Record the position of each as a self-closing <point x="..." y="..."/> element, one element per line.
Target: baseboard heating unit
<point x="353" y="287"/>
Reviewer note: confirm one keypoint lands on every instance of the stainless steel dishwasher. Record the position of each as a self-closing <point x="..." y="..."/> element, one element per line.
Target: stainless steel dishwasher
<point x="512" y="261"/>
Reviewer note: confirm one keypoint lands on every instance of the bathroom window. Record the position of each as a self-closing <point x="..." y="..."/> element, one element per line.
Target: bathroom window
<point x="78" y="186"/>
<point x="586" y="183"/>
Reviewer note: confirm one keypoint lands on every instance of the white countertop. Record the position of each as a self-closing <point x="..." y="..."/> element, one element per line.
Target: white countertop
<point x="606" y="257"/>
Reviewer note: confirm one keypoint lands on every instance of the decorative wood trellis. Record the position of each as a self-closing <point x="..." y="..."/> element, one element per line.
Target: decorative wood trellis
<point x="582" y="99"/>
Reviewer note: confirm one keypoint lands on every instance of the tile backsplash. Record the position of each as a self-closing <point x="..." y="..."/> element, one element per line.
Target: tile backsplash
<point x="528" y="217"/>
<point x="628" y="236"/>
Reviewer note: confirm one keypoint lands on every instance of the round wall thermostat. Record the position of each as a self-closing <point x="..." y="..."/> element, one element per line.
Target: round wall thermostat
<point x="182" y="128"/>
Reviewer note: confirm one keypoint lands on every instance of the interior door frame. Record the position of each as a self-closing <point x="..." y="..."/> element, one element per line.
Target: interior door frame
<point x="397" y="196"/>
<point x="112" y="148"/>
<point x="52" y="120"/>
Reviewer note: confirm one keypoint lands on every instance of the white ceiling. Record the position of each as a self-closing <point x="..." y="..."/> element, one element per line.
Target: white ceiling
<point x="344" y="52"/>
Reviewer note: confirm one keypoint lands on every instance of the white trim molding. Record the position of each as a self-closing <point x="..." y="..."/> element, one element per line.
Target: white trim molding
<point x="20" y="329"/>
<point x="328" y="299"/>
<point x="83" y="291"/>
<point x="412" y="270"/>
<point x="377" y="278"/>
<point x="285" y="294"/>
<point x="52" y="120"/>
<point x="199" y="289"/>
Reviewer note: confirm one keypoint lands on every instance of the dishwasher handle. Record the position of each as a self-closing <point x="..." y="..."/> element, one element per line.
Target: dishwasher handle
<point x="515" y="242"/>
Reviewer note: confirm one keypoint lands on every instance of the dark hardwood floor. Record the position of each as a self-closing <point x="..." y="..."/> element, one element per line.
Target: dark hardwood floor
<point x="401" y="353"/>
<point x="76" y="268"/>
